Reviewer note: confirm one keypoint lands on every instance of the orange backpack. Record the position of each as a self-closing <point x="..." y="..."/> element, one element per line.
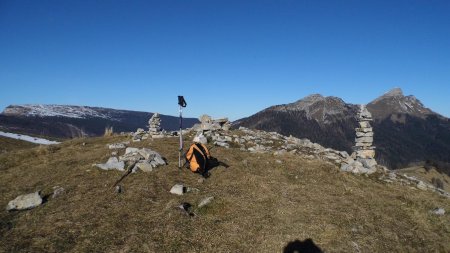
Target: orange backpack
<point x="197" y="157"/>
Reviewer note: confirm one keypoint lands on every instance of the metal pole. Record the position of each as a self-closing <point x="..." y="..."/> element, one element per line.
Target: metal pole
<point x="181" y="138"/>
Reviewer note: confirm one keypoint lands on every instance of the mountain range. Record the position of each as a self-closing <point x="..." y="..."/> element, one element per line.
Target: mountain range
<point x="66" y="121"/>
<point x="405" y="131"/>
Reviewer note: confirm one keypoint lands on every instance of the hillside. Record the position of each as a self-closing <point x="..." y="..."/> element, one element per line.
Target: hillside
<point x="64" y="121"/>
<point x="261" y="203"/>
<point x="328" y="121"/>
<point x="405" y="131"/>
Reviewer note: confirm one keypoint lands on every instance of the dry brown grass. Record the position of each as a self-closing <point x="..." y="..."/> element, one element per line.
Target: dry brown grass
<point x="259" y="206"/>
<point x="9" y="144"/>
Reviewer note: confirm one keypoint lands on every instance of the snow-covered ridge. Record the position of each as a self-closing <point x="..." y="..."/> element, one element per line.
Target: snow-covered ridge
<point x="56" y="111"/>
<point x="28" y="138"/>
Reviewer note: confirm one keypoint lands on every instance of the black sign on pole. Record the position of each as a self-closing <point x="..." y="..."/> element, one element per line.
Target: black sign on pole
<point x="181" y="101"/>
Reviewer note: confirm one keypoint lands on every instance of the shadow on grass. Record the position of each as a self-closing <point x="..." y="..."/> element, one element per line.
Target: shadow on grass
<point x="306" y="246"/>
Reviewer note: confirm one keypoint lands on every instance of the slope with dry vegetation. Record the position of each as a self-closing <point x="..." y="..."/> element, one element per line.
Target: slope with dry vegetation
<point x="261" y="203"/>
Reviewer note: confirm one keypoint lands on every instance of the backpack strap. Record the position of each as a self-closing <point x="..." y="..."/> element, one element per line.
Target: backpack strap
<point x="202" y="149"/>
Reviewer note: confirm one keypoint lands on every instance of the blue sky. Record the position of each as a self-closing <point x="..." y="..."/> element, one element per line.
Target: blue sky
<point x="228" y="58"/>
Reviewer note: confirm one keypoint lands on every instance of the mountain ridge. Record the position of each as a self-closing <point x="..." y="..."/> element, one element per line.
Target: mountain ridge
<point x="69" y="121"/>
<point x="330" y="121"/>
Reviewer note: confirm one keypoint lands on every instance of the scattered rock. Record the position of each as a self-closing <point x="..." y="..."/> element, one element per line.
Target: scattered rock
<point x="186" y="208"/>
<point x="131" y="150"/>
<point x="205" y="201"/>
<point x="24" y="202"/>
<point x="192" y="189"/>
<point x="438" y="211"/>
<point x="118" y="189"/>
<point x="421" y="185"/>
<point x="112" y="164"/>
<point x="177" y="189"/>
<point x="117" y="146"/>
<point x="145" y="167"/>
<point x="392" y="176"/>
<point x="57" y="191"/>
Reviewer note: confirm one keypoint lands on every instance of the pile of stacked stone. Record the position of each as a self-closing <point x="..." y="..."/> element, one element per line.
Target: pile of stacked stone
<point x="154" y="125"/>
<point x="208" y="125"/>
<point x="146" y="160"/>
<point x="154" y="130"/>
<point x="215" y="129"/>
<point x="363" y="158"/>
<point x="139" y="135"/>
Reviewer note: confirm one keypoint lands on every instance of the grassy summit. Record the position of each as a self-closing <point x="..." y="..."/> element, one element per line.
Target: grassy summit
<point x="260" y="205"/>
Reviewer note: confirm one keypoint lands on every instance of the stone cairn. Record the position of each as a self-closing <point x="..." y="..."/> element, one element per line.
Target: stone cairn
<point x="154" y="130"/>
<point x="154" y="124"/>
<point x="214" y="129"/>
<point x="363" y="157"/>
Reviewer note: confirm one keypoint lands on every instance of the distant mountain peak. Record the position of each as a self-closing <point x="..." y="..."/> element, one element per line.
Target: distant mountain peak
<point x="394" y="92"/>
<point x="394" y="102"/>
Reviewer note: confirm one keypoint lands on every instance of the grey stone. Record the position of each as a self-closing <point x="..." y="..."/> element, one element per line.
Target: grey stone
<point x="205" y="118"/>
<point x="343" y="154"/>
<point x="57" y="191"/>
<point x="364" y="129"/>
<point x="206" y="201"/>
<point x="159" y="160"/>
<point x="368" y="163"/>
<point x="24" y="202"/>
<point x="364" y="124"/>
<point x="131" y="150"/>
<point x="112" y="164"/>
<point x="438" y="211"/>
<point x="118" y="189"/>
<point x="134" y="156"/>
<point x="346" y="167"/>
<point x="226" y="126"/>
<point x="117" y="146"/>
<point x="177" y="189"/>
<point x="421" y="185"/>
<point x="145" y="167"/>
<point x="201" y="139"/>
<point x="222" y="144"/>
<point x="147" y="153"/>
<point x="363" y="134"/>
<point x="392" y="176"/>
<point x="364" y="140"/>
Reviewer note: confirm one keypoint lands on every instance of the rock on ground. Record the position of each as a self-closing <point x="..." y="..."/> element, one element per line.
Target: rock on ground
<point x="112" y="164"/>
<point x="177" y="189"/>
<point x="205" y="201"/>
<point x="438" y="211"/>
<point x="24" y="202"/>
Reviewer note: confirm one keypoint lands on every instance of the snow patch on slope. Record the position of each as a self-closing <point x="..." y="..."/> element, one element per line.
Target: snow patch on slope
<point x="55" y="111"/>
<point x="28" y="138"/>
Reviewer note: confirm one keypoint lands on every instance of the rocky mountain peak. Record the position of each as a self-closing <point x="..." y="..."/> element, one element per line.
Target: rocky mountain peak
<point x="317" y="107"/>
<point x="394" y="92"/>
<point x="394" y="102"/>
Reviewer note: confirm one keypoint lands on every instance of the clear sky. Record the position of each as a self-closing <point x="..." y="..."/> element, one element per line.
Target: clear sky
<point x="228" y="58"/>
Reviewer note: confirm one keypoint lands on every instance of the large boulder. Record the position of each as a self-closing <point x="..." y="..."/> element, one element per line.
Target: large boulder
<point x="24" y="202"/>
